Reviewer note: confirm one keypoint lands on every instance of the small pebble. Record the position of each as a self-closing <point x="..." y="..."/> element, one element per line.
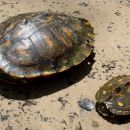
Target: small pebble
<point x="95" y="124"/>
<point x="27" y="129"/>
<point x="4" y="117"/>
<point x="117" y="13"/>
<point x="86" y="104"/>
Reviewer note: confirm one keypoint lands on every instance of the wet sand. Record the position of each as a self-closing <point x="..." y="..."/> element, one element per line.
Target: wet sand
<point x="38" y="106"/>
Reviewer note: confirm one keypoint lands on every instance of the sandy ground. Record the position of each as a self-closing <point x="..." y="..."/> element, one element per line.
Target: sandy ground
<point x="37" y="106"/>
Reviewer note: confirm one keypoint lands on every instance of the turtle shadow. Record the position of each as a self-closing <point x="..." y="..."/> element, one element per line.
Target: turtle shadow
<point x="49" y="85"/>
<point x="109" y="117"/>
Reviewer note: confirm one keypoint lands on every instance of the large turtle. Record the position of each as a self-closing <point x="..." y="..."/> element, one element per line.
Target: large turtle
<point x="42" y="43"/>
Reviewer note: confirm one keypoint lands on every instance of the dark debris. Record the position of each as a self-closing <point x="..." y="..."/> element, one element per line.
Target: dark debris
<point x="117" y="13"/>
<point x="109" y="66"/>
<point x="95" y="124"/>
<point x="63" y="101"/>
<point x="78" y="127"/>
<point x="76" y="12"/>
<point x="83" y="4"/>
<point x="72" y="116"/>
<point x="4" y="117"/>
<point x="29" y="103"/>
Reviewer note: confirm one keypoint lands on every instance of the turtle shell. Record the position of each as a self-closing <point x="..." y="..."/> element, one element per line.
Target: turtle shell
<point x="115" y="94"/>
<point x="40" y="43"/>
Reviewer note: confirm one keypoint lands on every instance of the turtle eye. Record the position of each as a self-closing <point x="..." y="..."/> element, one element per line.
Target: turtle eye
<point x="118" y="90"/>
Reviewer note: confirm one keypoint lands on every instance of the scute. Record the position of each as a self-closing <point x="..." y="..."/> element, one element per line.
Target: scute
<point x="115" y="94"/>
<point x="23" y="30"/>
<point x="40" y="44"/>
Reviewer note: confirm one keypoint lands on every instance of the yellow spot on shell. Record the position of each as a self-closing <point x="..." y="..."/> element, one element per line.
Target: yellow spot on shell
<point x="110" y="84"/>
<point x="120" y="104"/>
<point x="86" y="53"/>
<point x="128" y="88"/>
<point x="48" y="41"/>
<point x="92" y="35"/>
<point x="120" y="80"/>
<point x="68" y="32"/>
<point x="104" y="92"/>
<point x="119" y="94"/>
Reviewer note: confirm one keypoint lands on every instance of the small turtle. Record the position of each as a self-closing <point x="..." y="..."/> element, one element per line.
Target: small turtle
<point x="115" y="94"/>
<point x="42" y="43"/>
